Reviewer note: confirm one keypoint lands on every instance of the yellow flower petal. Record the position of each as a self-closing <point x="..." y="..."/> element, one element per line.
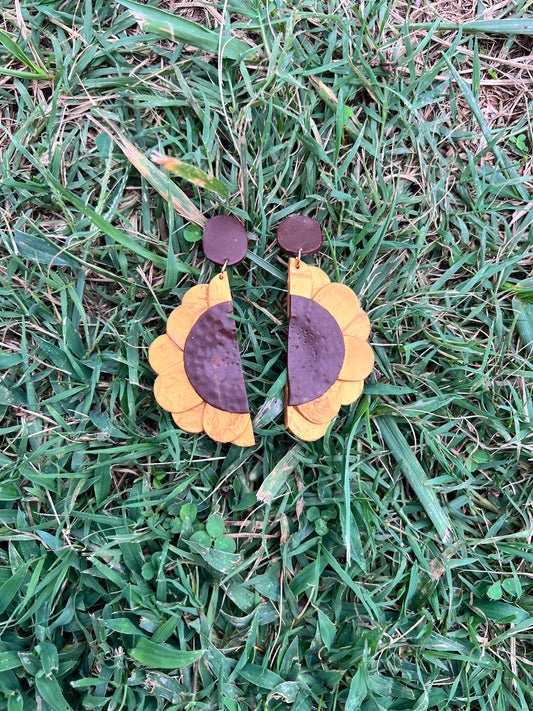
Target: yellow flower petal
<point x="323" y="409"/>
<point x="163" y="354"/>
<point x="174" y="392"/>
<point x="219" y="290"/>
<point x="300" y="279"/>
<point x="359" y="327"/>
<point x="319" y="277"/>
<point x="358" y="359"/>
<point x="301" y="427"/>
<point x="246" y="439"/>
<point x="224" y="426"/>
<point x="190" y="420"/>
<point x="180" y="322"/>
<point x="197" y="296"/>
<point x="340" y="301"/>
<point x="350" y="391"/>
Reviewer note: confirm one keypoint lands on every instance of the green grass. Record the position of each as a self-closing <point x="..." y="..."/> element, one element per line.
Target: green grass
<point x="387" y="566"/>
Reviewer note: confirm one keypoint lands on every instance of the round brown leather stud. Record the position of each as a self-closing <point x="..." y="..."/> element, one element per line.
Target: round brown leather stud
<point x="297" y="233"/>
<point x="225" y="240"/>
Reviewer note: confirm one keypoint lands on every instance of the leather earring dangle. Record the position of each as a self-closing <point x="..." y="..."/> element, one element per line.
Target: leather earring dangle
<point x="200" y="377"/>
<point x="328" y="356"/>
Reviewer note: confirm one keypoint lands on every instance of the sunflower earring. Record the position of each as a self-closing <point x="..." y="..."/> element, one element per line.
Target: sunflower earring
<point x="328" y="356"/>
<point x="200" y="377"/>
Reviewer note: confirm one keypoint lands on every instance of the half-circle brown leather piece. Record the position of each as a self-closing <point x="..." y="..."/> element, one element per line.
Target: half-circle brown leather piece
<point x="315" y="352"/>
<point x="213" y="362"/>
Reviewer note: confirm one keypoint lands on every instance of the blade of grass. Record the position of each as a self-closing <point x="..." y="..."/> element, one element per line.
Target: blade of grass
<point x="19" y="54"/>
<point x="162" y="656"/>
<point x="178" y="29"/>
<point x="524" y="322"/>
<point x="21" y="74"/>
<point x="509" y="26"/>
<point x="416" y="476"/>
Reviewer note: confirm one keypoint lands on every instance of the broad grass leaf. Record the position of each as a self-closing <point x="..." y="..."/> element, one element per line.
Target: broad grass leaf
<point x="178" y="29"/>
<point x="9" y="492"/>
<point x="259" y="676"/>
<point x="267" y="584"/>
<point x="12" y="395"/>
<point x="15" y="702"/>
<point x="39" y="251"/>
<point x="507" y="26"/>
<point x="502" y="612"/>
<point x="11" y="588"/>
<point x="9" y="360"/>
<point x="307" y="579"/>
<point x="523" y="294"/>
<point x="220" y="561"/>
<point x="48" y="687"/>
<point x="161" y="656"/>
<point x="524" y="323"/>
<point x="9" y="660"/>
<point x="49" y="657"/>
<point x="513" y="586"/>
<point x="286" y="691"/>
<point x="327" y="629"/>
<point x="188" y="511"/>
<point x="358" y="689"/>
<point x="122" y="625"/>
<point x="264" y="614"/>
<point x="242" y="597"/>
<point x="66" y="615"/>
<point x="104" y="424"/>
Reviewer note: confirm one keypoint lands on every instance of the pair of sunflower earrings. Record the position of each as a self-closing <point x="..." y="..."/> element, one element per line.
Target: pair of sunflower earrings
<point x="200" y="378"/>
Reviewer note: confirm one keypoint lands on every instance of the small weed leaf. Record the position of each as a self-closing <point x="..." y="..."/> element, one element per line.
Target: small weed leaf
<point x="513" y="587"/>
<point x="192" y="233"/>
<point x="201" y="537"/>
<point x="226" y="544"/>
<point x="495" y="591"/>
